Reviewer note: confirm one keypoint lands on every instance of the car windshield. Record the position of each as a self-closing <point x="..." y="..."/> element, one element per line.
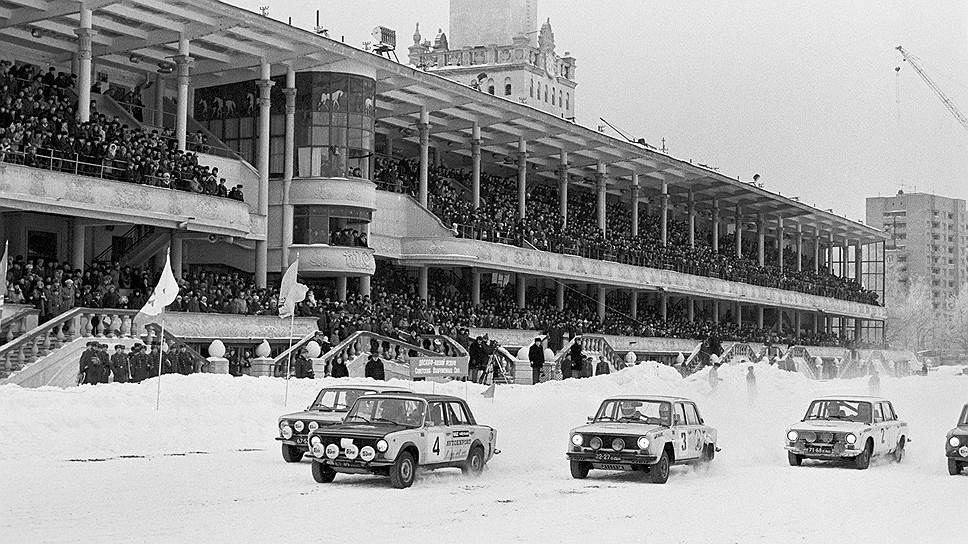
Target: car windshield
<point x="336" y="400"/>
<point x="839" y="410"/>
<point x="407" y="412"/>
<point x="649" y="412"/>
<point x="964" y="416"/>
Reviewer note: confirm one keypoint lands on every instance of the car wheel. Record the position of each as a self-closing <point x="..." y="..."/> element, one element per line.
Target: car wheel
<point x="403" y="471"/>
<point x="899" y="450"/>
<point x="322" y="473"/>
<point x="708" y="453"/>
<point x="292" y="454"/>
<point x="954" y="467"/>
<point x="794" y="459"/>
<point x="862" y="461"/>
<point x="659" y="472"/>
<point x="579" y="469"/>
<point x="474" y="465"/>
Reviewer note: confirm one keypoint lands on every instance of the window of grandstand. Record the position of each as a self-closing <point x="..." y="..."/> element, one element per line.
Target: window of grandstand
<point x="332" y="225"/>
<point x="507" y="86"/>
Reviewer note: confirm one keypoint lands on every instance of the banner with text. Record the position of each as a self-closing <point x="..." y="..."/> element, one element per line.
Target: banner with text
<point x="439" y="367"/>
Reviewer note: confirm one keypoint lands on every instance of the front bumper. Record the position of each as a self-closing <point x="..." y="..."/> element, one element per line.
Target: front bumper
<point x="837" y="451"/>
<point x="612" y="457"/>
<point x="301" y="442"/>
<point x="354" y="465"/>
<point x="959" y="453"/>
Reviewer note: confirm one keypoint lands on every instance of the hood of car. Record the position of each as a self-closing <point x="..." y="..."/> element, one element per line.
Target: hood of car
<point x="960" y="430"/>
<point x="616" y="428"/>
<point x="313" y="415"/>
<point x="829" y="426"/>
<point x="365" y="430"/>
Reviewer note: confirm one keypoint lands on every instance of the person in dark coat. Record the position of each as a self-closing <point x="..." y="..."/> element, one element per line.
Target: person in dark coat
<point x="104" y="364"/>
<point x="138" y="361"/>
<point x="602" y="367"/>
<point x="374" y="367"/>
<point x="474" y="353"/>
<point x="338" y="368"/>
<point x="86" y="372"/>
<point x="183" y="360"/>
<point x="120" y="366"/>
<point x="304" y="367"/>
<point x="573" y="361"/>
<point x="536" y="357"/>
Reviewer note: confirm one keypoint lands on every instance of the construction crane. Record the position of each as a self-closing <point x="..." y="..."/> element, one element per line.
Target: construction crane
<point x="948" y="104"/>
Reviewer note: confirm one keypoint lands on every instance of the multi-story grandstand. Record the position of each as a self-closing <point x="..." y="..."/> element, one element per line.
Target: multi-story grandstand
<point x="413" y="202"/>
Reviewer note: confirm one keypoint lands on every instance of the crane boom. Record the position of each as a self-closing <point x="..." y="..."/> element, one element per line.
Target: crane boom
<point x="916" y="63"/>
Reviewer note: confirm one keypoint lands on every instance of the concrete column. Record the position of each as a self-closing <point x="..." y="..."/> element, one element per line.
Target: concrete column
<point x="476" y="166"/>
<point x="365" y="286"/>
<point x="691" y="309"/>
<point x="184" y="62"/>
<point x="830" y="252"/>
<point x="390" y="145"/>
<point x="159" y="117"/>
<point x="664" y="305"/>
<point x="341" y="288"/>
<point x="858" y="328"/>
<point x="715" y="228"/>
<point x="601" y="182"/>
<point x="261" y="247"/>
<point x="84" y="37"/>
<point x="77" y="244"/>
<point x="716" y="312"/>
<point x="692" y="220"/>
<point x="796" y="323"/>
<point x="844" y="264"/>
<point x="816" y="251"/>
<point x="664" y="214"/>
<point x="422" y="275"/>
<point x="522" y="178"/>
<point x="560" y="296"/>
<point x="761" y="239"/>
<point x="738" y="318"/>
<point x="475" y="286"/>
<point x="858" y="261"/>
<point x="779" y="239"/>
<point x="739" y="231"/>
<point x="176" y="253"/>
<point x="601" y="303"/>
<point x="563" y="187"/>
<point x="799" y="247"/>
<point x="759" y="317"/>
<point x="636" y="195"/>
<point x="424" y="127"/>
<point x="521" y="284"/>
<point x="288" y="165"/>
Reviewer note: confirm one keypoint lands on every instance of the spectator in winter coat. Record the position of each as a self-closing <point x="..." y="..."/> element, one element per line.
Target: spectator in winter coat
<point x="138" y="361"/>
<point x="602" y="367"/>
<point x="574" y="360"/>
<point x="338" y="369"/>
<point x="374" y="367"/>
<point x="304" y="366"/>
<point x="536" y="357"/>
<point x="119" y="365"/>
<point x="87" y="371"/>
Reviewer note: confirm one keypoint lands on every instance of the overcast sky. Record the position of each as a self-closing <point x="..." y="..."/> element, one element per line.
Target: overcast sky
<point x="802" y="93"/>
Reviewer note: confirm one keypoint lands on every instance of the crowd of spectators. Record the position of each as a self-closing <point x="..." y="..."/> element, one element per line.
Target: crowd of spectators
<point x="39" y="127"/>
<point x="496" y="220"/>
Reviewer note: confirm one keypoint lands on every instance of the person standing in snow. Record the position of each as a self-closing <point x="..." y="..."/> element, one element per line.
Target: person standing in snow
<point x="874" y="384"/>
<point x="536" y="357"/>
<point x="751" y="383"/>
<point x="374" y="367"/>
<point x="338" y="368"/>
<point x="86" y="373"/>
<point x="119" y="365"/>
<point x="138" y="361"/>
<point x="714" y="372"/>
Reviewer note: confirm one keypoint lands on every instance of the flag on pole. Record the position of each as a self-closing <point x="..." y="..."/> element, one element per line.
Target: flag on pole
<point x="3" y="272"/>
<point x="489" y="392"/>
<point x="291" y="291"/>
<point x="164" y="293"/>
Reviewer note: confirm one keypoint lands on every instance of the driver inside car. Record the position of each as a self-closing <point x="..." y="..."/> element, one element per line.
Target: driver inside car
<point x="665" y="414"/>
<point x="629" y="411"/>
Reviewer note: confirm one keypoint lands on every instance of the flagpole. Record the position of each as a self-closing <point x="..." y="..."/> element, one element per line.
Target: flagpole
<point x="292" y="324"/>
<point x="161" y="353"/>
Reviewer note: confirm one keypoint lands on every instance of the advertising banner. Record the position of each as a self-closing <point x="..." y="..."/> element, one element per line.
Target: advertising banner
<point x="439" y="367"/>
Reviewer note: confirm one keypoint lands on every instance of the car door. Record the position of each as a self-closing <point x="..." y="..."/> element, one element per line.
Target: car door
<point x="891" y="427"/>
<point x="435" y="450"/>
<point x="461" y="432"/>
<point x="693" y="432"/>
<point x="680" y="431"/>
<point x="879" y="429"/>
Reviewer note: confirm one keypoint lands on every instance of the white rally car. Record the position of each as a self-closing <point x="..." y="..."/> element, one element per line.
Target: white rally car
<point x="648" y="433"/>
<point x="393" y="434"/>
<point x="847" y="427"/>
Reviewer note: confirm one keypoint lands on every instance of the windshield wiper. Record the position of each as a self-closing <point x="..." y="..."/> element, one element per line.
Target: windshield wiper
<point x="362" y="418"/>
<point x="322" y="408"/>
<point x="385" y="421"/>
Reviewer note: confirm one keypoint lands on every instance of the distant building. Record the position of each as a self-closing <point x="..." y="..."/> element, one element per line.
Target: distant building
<point x="496" y="46"/>
<point x="928" y="238"/>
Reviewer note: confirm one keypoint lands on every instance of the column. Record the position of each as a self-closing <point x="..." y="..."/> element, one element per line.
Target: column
<point x="176" y="253"/>
<point x="288" y="164"/>
<point x="816" y="251"/>
<point x="858" y="262"/>
<point x="341" y="288"/>
<point x="664" y="305"/>
<point x="738" y="318"/>
<point x="601" y="303"/>
<point x="715" y="228"/>
<point x="636" y="194"/>
<point x="691" y="309"/>
<point x="560" y="296"/>
<point x="799" y="247"/>
<point x="601" y="181"/>
<point x="779" y="239"/>
<point x="390" y="144"/>
<point x="521" y="284"/>
<point x="634" y="304"/>
<point x="563" y="186"/>
<point x="522" y="178"/>
<point x="664" y="214"/>
<point x="692" y="219"/>
<point x="77" y="244"/>
<point x="424" y="127"/>
<point x="739" y="231"/>
<point x="759" y="317"/>
<point x="422" y="274"/>
<point x="761" y="239"/>
<point x="365" y="289"/>
<point x="184" y="63"/>
<point x="159" y="117"/>
<point x="830" y="254"/>
<point x="844" y="264"/>
<point x="84" y="36"/>
<point x="475" y="286"/>
<point x="796" y="323"/>
<point x="476" y="166"/>
<point x="261" y="246"/>
<point x="716" y="312"/>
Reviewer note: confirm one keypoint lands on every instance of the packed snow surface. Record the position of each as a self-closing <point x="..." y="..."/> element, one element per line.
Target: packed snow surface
<point x="100" y="464"/>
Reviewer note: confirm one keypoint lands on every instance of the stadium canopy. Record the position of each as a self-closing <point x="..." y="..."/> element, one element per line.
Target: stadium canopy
<point x="230" y="44"/>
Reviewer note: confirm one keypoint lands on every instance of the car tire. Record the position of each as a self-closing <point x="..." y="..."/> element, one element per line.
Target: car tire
<point x="659" y="472"/>
<point x="579" y="469"/>
<point x="954" y="467"/>
<point x="474" y="465"/>
<point x="899" y="450"/>
<point x="292" y="454"/>
<point x="862" y="461"/>
<point x="404" y="471"/>
<point x="322" y="473"/>
<point x="708" y="453"/>
<point x="794" y="459"/>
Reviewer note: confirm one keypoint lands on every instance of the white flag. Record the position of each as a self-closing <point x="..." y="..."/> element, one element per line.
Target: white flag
<point x="489" y="392"/>
<point x="3" y="272"/>
<point x="165" y="292"/>
<point x="291" y="291"/>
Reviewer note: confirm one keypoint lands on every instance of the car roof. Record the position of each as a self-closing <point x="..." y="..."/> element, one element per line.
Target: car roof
<point x="854" y="398"/>
<point x="663" y="398"/>
<point x="425" y="396"/>
<point x="375" y="388"/>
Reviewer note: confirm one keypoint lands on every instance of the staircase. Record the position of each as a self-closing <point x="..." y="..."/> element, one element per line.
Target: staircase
<point x="17" y="319"/>
<point x="145" y="247"/>
<point x="139" y="237"/>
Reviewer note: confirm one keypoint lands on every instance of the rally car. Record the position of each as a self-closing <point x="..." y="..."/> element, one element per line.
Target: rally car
<point x="329" y="408"/>
<point x="956" y="446"/>
<point x="648" y="433"/>
<point x="392" y="434"/>
<point x="847" y="428"/>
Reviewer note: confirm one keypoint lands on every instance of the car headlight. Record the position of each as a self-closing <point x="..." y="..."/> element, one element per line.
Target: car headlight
<point x="595" y="443"/>
<point x="792" y="436"/>
<point x="313" y="425"/>
<point x="367" y="453"/>
<point x="332" y="451"/>
<point x="287" y="432"/>
<point x="382" y="446"/>
<point x="299" y="425"/>
<point x="954" y="442"/>
<point x="318" y="451"/>
<point x="643" y="443"/>
<point x="351" y="451"/>
<point x="315" y="441"/>
<point x="618" y="444"/>
<point x="576" y="439"/>
<point x="283" y="424"/>
<point x="851" y="438"/>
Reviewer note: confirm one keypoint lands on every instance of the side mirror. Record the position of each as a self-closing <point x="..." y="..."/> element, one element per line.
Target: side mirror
<point x="589" y="419"/>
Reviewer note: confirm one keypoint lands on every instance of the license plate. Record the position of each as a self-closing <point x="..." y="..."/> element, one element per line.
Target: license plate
<point x="606" y="457"/>
<point x="343" y="463"/>
<point x="301" y="440"/>
<point x="821" y="451"/>
<point x="611" y="466"/>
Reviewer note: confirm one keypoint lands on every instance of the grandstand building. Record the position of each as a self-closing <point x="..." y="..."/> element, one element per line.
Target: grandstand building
<point x="432" y="175"/>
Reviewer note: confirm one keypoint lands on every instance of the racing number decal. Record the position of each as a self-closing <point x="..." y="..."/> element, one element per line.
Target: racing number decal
<point x="436" y="448"/>
<point x="684" y="446"/>
<point x="883" y="433"/>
